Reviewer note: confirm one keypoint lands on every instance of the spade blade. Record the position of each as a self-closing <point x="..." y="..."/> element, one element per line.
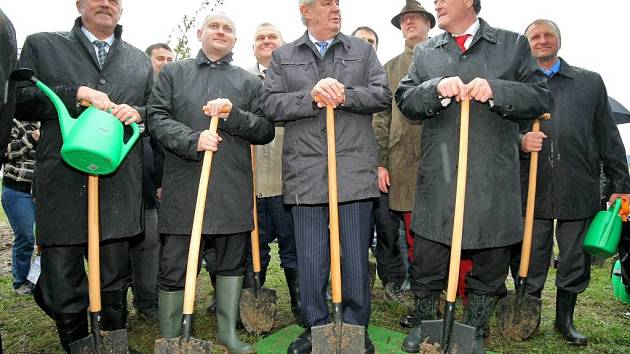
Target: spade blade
<point x="518" y="318"/>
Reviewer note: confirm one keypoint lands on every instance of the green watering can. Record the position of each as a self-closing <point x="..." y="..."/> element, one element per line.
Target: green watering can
<point x="603" y="235"/>
<point x="93" y="142"/>
<point x="620" y="291"/>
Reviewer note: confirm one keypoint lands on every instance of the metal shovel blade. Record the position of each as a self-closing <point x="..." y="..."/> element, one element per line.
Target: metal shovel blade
<point x="258" y="312"/>
<point x="182" y="346"/>
<point x="339" y="338"/>
<point x="518" y="318"/>
<point x="462" y="337"/>
<point x="114" y="342"/>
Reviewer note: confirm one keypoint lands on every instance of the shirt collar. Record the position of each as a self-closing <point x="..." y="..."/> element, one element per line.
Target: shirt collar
<point x="310" y="36"/>
<point x="471" y="31"/>
<point x="91" y="37"/>
<point x="555" y="68"/>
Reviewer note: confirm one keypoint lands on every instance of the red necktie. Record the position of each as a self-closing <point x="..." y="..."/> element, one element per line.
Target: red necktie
<point x="461" y="40"/>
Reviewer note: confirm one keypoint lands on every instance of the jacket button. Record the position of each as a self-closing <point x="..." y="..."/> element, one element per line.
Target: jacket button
<point x="509" y="107"/>
<point x="102" y="81"/>
<point x="429" y="112"/>
<point x="462" y="58"/>
<point x="213" y="66"/>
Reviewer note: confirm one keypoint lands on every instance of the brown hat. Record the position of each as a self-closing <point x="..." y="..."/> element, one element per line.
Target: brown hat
<point x="413" y="6"/>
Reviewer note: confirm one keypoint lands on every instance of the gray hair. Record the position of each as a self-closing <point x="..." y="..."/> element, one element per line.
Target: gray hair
<point x="553" y="25"/>
<point x="308" y="3"/>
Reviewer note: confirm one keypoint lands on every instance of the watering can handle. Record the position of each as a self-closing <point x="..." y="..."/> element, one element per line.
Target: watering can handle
<point x="131" y="141"/>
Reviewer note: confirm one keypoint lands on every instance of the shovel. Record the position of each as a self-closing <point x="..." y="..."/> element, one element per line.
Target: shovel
<point x="186" y="344"/>
<point x="336" y="337"/>
<point x="452" y="336"/>
<point x="257" y="305"/>
<point x="99" y="341"/>
<point x="518" y="314"/>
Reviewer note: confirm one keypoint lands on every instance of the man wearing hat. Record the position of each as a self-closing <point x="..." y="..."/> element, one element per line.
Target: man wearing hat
<point x="398" y="151"/>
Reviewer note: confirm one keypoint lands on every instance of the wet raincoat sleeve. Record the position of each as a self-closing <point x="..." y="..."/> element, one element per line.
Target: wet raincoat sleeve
<point x="172" y="134"/>
<point x="372" y="98"/>
<point x="249" y="123"/>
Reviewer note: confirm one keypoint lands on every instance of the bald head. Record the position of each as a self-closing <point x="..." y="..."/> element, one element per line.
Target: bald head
<point x="217" y="35"/>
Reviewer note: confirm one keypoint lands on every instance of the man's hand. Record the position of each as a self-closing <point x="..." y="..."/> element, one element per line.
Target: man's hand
<point x="532" y="141"/>
<point x="217" y="106"/>
<point x="126" y="114"/>
<point x="96" y="98"/>
<point x="208" y="141"/>
<point x="328" y="92"/>
<point x="624" y="198"/>
<point x="479" y="90"/>
<point x="452" y="87"/>
<point x="383" y="179"/>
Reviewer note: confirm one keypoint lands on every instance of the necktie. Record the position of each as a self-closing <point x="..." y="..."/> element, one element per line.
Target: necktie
<point x="548" y="73"/>
<point x="322" y="47"/>
<point x="102" y="53"/>
<point x="461" y="40"/>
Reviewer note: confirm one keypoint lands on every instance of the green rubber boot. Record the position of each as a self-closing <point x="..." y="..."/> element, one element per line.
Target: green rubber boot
<point x="171" y="305"/>
<point x="228" y="295"/>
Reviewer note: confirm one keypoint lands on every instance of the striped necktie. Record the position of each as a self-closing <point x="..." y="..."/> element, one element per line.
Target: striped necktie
<point x="101" y="53"/>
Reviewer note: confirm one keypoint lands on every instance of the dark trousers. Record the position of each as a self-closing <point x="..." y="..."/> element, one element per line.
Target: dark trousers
<point x="429" y="269"/>
<point x="63" y="281"/>
<point x="145" y="253"/>
<point x="313" y="250"/>
<point x="231" y="250"/>
<point x="274" y="222"/>
<point x="389" y="262"/>
<point x="574" y="264"/>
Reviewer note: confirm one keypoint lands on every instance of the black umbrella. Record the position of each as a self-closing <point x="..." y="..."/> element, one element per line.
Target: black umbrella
<point x="620" y="113"/>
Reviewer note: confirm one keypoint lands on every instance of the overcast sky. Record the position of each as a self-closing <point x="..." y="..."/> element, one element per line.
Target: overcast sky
<point x="590" y="29"/>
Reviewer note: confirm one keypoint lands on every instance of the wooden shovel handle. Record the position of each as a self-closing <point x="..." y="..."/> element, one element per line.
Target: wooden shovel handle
<point x="195" y="237"/>
<point x="94" y="275"/>
<point x="460" y="197"/>
<point x="526" y="248"/>
<point x="333" y="208"/>
<point x="254" y="233"/>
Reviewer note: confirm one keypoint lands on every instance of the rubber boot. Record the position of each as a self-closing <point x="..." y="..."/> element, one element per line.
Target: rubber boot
<point x="171" y="307"/>
<point x="294" y="292"/>
<point x="476" y="315"/>
<point x="303" y="344"/>
<point x="71" y="327"/>
<point x="565" y="305"/>
<point x="114" y="310"/>
<point x="426" y="309"/>
<point x="228" y="295"/>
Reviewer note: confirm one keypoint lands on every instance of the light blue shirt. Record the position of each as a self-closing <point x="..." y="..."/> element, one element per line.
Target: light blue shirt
<point x="109" y="40"/>
<point x="554" y="69"/>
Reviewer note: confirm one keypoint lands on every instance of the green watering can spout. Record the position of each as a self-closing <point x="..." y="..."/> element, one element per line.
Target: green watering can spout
<point x="93" y="142"/>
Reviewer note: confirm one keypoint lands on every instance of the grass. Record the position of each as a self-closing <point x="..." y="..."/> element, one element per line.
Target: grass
<point x="26" y="329"/>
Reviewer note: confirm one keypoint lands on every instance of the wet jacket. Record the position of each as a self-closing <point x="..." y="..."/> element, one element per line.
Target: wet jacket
<point x="581" y="137"/>
<point x="8" y="63"/>
<point x="398" y="140"/>
<point x="176" y="120"/>
<point x="492" y="216"/>
<point x="295" y="69"/>
<point x="64" y="61"/>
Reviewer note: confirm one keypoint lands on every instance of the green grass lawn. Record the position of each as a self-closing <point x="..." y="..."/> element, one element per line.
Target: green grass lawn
<point x="25" y="329"/>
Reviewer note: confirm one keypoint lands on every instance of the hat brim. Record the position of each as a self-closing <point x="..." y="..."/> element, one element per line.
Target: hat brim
<point x="396" y="19"/>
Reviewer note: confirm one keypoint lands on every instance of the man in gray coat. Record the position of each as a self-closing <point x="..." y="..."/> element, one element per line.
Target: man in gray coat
<point x="90" y="63"/>
<point x="495" y="70"/>
<point x="582" y="131"/>
<point x="345" y="73"/>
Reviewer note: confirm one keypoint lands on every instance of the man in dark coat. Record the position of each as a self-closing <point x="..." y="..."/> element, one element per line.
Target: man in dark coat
<point x="580" y="137"/>
<point x="8" y="63"/>
<point x="495" y="70"/>
<point x="181" y="127"/>
<point x="345" y="72"/>
<point x="90" y="63"/>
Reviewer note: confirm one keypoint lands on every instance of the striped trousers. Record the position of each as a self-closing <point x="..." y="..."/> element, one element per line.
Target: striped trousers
<point x="313" y="257"/>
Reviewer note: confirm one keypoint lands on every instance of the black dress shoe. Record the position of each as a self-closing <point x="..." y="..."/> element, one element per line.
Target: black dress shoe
<point x="303" y="344"/>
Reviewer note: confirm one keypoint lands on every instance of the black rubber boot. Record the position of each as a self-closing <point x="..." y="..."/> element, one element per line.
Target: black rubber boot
<point x="426" y="309"/>
<point x="294" y="292"/>
<point x="477" y="313"/>
<point x="303" y="344"/>
<point x="565" y="305"/>
<point x="71" y="327"/>
<point x="114" y="312"/>
<point x="368" y="347"/>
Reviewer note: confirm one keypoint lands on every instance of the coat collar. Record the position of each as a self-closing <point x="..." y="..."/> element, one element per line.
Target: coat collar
<point x="566" y="69"/>
<point x="203" y="59"/>
<point x="485" y="31"/>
